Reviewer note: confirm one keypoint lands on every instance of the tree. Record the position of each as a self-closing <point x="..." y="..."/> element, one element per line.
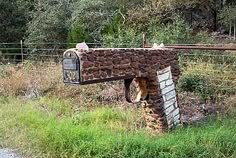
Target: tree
<point x="228" y="19"/>
<point x="13" y="17"/>
<point x="90" y="18"/>
<point x="94" y="18"/>
<point x="49" y="23"/>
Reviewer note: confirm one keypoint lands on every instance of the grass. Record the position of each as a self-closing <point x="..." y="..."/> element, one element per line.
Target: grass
<point x="105" y="132"/>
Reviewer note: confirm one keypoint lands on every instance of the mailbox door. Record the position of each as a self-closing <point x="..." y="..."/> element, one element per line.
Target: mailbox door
<point x="71" y="68"/>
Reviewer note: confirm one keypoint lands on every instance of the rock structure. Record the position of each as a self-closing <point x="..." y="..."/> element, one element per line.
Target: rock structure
<point x="158" y="66"/>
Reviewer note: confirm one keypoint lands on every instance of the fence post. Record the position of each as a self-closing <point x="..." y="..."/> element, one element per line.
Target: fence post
<point x="144" y="40"/>
<point x="22" y="52"/>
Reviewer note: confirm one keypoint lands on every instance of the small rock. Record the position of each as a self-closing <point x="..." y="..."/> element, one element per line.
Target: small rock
<point x="8" y="153"/>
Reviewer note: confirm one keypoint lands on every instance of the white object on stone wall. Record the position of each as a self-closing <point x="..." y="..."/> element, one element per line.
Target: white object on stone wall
<point x="168" y="92"/>
<point x="82" y="47"/>
<point x="156" y="46"/>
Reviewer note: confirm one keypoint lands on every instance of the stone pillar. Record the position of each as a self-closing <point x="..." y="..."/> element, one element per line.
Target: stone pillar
<point x="168" y="92"/>
<point x="161" y="109"/>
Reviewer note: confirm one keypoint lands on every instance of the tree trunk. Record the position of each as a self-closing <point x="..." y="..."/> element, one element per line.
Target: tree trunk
<point x="230" y="26"/>
<point x="215" y="19"/>
<point x="234" y="29"/>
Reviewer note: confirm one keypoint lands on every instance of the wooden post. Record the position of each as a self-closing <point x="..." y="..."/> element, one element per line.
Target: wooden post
<point x="144" y="40"/>
<point x="22" y="52"/>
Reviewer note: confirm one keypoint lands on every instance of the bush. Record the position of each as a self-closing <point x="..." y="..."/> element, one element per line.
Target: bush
<point x="175" y="32"/>
<point x="125" y="37"/>
<point x="197" y="84"/>
<point x="190" y="82"/>
<point x="77" y="34"/>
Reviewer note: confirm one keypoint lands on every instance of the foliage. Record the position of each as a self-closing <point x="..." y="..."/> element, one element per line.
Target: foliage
<point x="92" y="16"/>
<point x="198" y="84"/>
<point x="228" y="16"/>
<point x="125" y="37"/>
<point x="72" y="21"/>
<point x="202" y="37"/>
<point x="48" y="24"/>
<point x="34" y="80"/>
<point x="13" y="20"/>
<point x="77" y="34"/>
<point x="171" y="33"/>
<point x="190" y="83"/>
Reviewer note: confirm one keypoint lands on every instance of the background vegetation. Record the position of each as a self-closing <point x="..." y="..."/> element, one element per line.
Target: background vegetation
<point x="112" y="22"/>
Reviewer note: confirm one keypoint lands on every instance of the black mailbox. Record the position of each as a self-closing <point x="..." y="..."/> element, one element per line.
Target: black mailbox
<point x="71" y="67"/>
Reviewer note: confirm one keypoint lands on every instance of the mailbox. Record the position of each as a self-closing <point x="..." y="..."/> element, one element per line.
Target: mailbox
<point x="71" y="67"/>
<point x="155" y="72"/>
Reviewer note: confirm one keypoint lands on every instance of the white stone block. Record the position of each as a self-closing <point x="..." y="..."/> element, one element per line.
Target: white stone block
<point x="177" y="122"/>
<point x="170" y="119"/>
<point x="164" y="98"/>
<point x="169" y="110"/>
<point x="173" y="120"/>
<point x="169" y="102"/>
<point x="167" y="69"/>
<point x="162" y="85"/>
<point x="168" y="89"/>
<point x="169" y="82"/>
<point x="168" y="92"/>
<point x="170" y="95"/>
<point x="177" y="118"/>
<point x="176" y="112"/>
<point x="164" y="76"/>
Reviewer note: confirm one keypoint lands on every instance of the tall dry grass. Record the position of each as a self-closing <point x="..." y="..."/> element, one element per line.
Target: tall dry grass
<point x="38" y="79"/>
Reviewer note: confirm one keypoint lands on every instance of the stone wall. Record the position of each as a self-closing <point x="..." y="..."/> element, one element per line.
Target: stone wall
<point x="107" y="63"/>
<point x="97" y="65"/>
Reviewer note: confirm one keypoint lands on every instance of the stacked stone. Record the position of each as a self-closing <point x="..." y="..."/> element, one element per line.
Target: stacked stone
<point x="107" y="63"/>
<point x="153" y="107"/>
<point x="98" y="64"/>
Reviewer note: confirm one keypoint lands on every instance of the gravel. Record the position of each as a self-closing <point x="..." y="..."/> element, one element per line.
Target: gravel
<point x="8" y="153"/>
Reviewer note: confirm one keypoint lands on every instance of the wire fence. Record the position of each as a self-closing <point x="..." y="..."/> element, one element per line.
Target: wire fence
<point x="218" y="67"/>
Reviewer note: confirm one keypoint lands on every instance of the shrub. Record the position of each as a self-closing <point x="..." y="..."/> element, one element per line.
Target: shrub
<point x="125" y="37"/>
<point x="197" y="84"/>
<point x="190" y="82"/>
<point x="77" y="34"/>
<point x="175" y="32"/>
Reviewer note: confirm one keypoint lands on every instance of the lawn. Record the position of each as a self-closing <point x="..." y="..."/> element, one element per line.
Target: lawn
<point x="49" y="127"/>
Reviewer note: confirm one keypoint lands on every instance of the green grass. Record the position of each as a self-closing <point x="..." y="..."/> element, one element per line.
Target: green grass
<point x="105" y="132"/>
